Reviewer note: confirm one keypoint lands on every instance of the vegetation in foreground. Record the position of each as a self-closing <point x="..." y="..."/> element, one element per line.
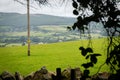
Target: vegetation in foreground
<point x="62" y="54"/>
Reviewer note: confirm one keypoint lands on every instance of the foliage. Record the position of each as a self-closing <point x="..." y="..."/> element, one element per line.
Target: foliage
<point x="88" y="53"/>
<point x="43" y="2"/>
<point x="40" y="2"/>
<point x="106" y="12"/>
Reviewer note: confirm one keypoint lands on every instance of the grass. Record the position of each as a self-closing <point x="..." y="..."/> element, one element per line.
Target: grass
<point x="62" y="54"/>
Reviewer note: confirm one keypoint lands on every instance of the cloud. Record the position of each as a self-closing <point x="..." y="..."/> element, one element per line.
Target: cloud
<point x="11" y="6"/>
<point x="54" y="8"/>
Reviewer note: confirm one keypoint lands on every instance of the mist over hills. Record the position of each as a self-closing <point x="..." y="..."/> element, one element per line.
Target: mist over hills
<point x="16" y="19"/>
<point x="43" y="29"/>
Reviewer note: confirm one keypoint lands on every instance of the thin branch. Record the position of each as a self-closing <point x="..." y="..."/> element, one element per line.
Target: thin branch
<point x="100" y="67"/>
<point x="25" y="4"/>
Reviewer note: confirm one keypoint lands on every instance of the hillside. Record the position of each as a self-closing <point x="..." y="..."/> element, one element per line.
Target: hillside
<point x="43" y="29"/>
<point x="62" y="54"/>
<point x="16" y="19"/>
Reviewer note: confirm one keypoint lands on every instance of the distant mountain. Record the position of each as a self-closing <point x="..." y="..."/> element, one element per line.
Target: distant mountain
<point x="16" y="19"/>
<point x="44" y="29"/>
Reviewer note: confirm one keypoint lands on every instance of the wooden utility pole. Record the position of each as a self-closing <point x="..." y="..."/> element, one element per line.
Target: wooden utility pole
<point x="28" y="25"/>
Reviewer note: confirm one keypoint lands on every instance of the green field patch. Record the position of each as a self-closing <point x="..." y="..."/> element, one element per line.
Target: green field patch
<point x="62" y="54"/>
<point x="55" y="28"/>
<point x="15" y="33"/>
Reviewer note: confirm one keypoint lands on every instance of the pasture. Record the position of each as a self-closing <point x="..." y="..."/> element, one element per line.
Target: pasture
<point x="62" y="54"/>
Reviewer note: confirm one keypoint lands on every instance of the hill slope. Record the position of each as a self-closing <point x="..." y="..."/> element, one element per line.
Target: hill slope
<point x="63" y="55"/>
<point x="15" y="19"/>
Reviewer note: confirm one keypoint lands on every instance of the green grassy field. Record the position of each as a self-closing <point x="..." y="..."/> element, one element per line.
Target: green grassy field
<point x="62" y="54"/>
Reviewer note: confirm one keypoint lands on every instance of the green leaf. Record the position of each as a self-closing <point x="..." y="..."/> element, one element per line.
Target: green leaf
<point x="74" y="26"/>
<point x="85" y="65"/>
<point x="93" y="59"/>
<point x="90" y="64"/>
<point x="119" y="65"/>
<point x="97" y="54"/>
<point x="114" y="62"/>
<point x="81" y="48"/>
<point x="83" y="52"/>
<point x="75" y="12"/>
<point x="78" y="0"/>
<point x="87" y="56"/>
<point x="89" y="50"/>
<point x="79" y="18"/>
<point x="74" y="4"/>
<point x="86" y="73"/>
<point x="108" y="61"/>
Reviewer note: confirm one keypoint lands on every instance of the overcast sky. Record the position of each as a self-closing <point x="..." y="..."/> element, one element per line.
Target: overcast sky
<point x="54" y="9"/>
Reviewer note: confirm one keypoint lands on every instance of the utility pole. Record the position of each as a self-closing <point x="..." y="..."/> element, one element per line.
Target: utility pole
<point x="28" y="25"/>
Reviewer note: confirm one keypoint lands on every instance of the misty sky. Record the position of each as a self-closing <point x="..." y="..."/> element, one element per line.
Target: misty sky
<point x="54" y="8"/>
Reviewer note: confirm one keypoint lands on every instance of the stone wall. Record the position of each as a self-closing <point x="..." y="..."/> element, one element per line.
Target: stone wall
<point x="44" y="74"/>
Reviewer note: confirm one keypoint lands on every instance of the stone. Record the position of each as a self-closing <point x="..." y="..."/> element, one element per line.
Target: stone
<point x="18" y="76"/>
<point x="43" y="70"/>
<point x="104" y="75"/>
<point x="30" y="76"/>
<point x="78" y="73"/>
<point x="0" y="78"/>
<point x="100" y="76"/>
<point x="66" y="74"/>
<point x="42" y="74"/>
<point x="7" y="76"/>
